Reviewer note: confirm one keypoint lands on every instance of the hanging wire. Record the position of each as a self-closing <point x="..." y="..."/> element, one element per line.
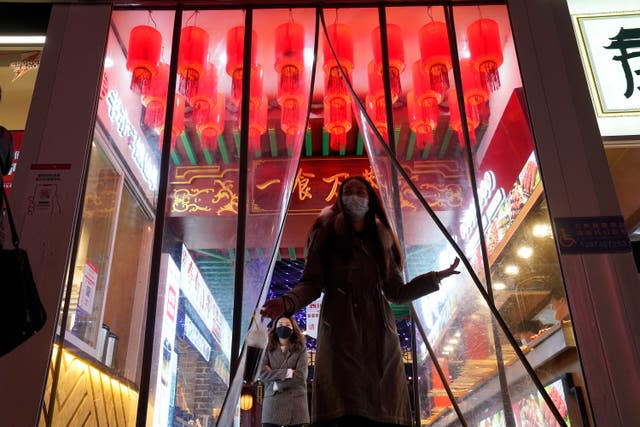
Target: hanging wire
<point x="195" y="13"/>
<point x="430" y="13"/>
<point x="290" y="15"/>
<point x="150" y="18"/>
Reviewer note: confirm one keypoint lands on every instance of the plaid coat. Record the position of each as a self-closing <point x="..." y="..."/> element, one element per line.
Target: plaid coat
<point x="285" y="404"/>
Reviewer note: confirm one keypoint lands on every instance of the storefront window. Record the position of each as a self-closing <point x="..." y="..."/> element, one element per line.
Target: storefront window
<point x="104" y="307"/>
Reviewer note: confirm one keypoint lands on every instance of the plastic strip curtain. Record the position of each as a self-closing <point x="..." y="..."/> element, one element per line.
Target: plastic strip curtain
<point x="257" y="278"/>
<point x="507" y="372"/>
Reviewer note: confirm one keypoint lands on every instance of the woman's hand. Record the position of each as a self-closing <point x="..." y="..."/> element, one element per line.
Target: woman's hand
<point x="449" y="271"/>
<point x="273" y="308"/>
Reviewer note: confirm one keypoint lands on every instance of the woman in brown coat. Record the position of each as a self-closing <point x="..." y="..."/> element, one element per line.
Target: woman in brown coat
<point x="355" y="259"/>
<point x="284" y="374"/>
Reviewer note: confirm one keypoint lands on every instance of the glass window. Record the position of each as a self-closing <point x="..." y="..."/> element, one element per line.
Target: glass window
<point x="98" y="352"/>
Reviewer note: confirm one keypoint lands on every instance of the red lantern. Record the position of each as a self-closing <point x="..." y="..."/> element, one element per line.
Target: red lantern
<point x="257" y="122"/>
<point x="192" y="57"/>
<point x="396" y="57"/>
<point x="289" y="58"/>
<point x="435" y="54"/>
<point x="425" y="95"/>
<point x="177" y="127"/>
<point x="235" y="57"/>
<point x="342" y="43"/>
<point x="378" y="114"/>
<point x="337" y="102"/>
<point x="143" y="57"/>
<point x="337" y="120"/>
<point x="213" y="125"/>
<point x="422" y="120"/>
<point x="205" y="97"/>
<point x="156" y="101"/>
<point x="455" y="121"/>
<point x="474" y="92"/>
<point x="485" y="48"/>
<point x="290" y="67"/>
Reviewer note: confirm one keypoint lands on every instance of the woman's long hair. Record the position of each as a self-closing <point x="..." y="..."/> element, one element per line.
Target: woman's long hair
<point x="296" y="340"/>
<point x="385" y="259"/>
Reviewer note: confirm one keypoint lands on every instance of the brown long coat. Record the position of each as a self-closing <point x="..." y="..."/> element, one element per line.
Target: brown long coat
<point x="359" y="369"/>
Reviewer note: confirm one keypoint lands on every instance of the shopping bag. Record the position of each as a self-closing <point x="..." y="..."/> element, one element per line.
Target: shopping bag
<point x="21" y="311"/>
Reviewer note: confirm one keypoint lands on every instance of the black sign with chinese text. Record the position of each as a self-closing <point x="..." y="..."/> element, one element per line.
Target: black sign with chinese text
<point x="592" y="235"/>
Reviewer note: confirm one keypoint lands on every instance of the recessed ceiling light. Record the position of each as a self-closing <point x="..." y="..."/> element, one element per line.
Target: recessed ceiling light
<point x="498" y="286"/>
<point x="541" y="230"/>
<point x="511" y="269"/>
<point x="525" y="251"/>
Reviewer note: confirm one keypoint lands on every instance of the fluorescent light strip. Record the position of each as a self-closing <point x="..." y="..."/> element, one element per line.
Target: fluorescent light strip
<point x="22" y="39"/>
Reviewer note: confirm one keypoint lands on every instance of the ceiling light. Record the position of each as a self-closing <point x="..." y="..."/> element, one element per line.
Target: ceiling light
<point x="453" y="341"/>
<point x="511" y="269"/>
<point x="447" y="348"/>
<point x="541" y="230"/>
<point x="525" y="252"/>
<point x="22" y="40"/>
<point x="498" y="286"/>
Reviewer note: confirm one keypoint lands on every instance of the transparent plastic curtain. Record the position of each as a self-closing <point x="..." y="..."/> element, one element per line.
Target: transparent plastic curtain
<point x="281" y="126"/>
<point x="493" y="361"/>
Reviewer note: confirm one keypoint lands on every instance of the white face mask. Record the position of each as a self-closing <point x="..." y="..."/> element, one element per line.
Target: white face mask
<point x="355" y="206"/>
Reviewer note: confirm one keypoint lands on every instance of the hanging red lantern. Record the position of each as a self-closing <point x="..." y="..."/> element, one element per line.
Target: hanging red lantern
<point x="235" y="58"/>
<point x="205" y="96"/>
<point x="485" y="48"/>
<point x="378" y="114"/>
<point x="156" y="100"/>
<point x="257" y="122"/>
<point x="337" y="120"/>
<point x="143" y="57"/>
<point x="395" y="49"/>
<point x="455" y="121"/>
<point x="289" y="58"/>
<point x="474" y="93"/>
<point x="435" y="54"/>
<point x="213" y="125"/>
<point x="425" y="95"/>
<point x="177" y="126"/>
<point x="192" y="58"/>
<point x="422" y="120"/>
<point x="342" y="43"/>
<point x="337" y="101"/>
<point x="290" y="67"/>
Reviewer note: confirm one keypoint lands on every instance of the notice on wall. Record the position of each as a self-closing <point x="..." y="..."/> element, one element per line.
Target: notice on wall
<point x="88" y="287"/>
<point x="313" y="314"/>
<point x="45" y="196"/>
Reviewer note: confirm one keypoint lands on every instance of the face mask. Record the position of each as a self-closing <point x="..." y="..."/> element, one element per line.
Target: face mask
<point x="284" y="332"/>
<point x="355" y="206"/>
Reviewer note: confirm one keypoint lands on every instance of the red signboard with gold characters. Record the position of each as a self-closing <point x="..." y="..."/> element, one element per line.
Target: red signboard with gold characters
<point x="212" y="190"/>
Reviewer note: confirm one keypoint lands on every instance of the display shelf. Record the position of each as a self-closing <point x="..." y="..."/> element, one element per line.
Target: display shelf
<point x="535" y="196"/>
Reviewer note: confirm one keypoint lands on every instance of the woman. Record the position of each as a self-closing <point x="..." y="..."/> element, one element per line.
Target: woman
<point x="355" y="259"/>
<point x="284" y="374"/>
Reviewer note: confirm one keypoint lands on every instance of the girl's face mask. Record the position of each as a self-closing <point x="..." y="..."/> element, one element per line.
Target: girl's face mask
<point x="355" y="206"/>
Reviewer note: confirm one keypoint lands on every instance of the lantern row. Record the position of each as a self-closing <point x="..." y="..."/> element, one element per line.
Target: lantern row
<point x="198" y="79"/>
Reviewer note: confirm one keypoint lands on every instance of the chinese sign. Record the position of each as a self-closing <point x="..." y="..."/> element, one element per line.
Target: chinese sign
<point x="313" y="314"/>
<point x="211" y="190"/>
<point x="592" y="235"/>
<point x="611" y="52"/>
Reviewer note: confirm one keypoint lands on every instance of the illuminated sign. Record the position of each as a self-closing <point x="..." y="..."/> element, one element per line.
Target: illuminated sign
<point x="489" y="199"/>
<point x="610" y="49"/>
<point x="197" y="292"/>
<point x="139" y="151"/>
<point x="194" y="336"/>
